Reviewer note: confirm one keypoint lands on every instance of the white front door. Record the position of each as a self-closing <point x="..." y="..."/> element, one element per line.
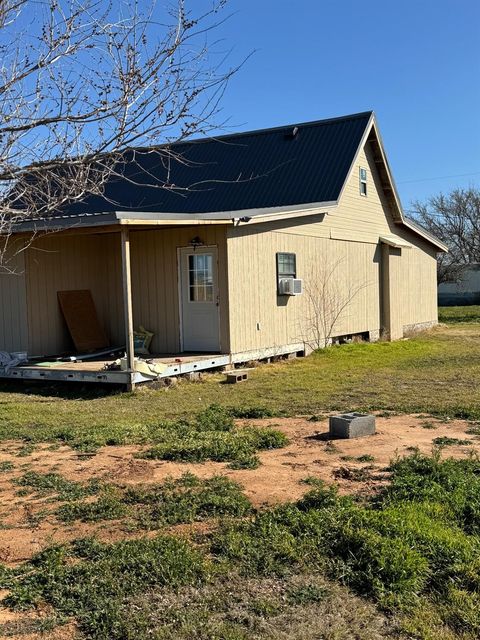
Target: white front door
<point x="199" y="299"/>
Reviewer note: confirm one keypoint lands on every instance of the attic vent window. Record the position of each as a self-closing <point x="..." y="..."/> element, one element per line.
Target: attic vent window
<point x="363" y="181"/>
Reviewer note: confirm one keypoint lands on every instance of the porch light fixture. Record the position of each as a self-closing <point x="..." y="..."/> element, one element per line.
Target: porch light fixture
<point x="196" y="242"/>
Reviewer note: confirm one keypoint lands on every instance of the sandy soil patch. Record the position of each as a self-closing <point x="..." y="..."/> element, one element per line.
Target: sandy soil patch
<point x="278" y="479"/>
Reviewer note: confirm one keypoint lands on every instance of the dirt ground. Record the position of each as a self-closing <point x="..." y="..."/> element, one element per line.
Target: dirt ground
<point x="278" y="479"/>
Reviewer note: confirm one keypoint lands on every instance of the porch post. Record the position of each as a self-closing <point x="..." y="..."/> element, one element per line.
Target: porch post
<point x="127" y="297"/>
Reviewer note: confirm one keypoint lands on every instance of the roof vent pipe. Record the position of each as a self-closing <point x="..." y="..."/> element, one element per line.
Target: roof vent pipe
<point x="290" y="135"/>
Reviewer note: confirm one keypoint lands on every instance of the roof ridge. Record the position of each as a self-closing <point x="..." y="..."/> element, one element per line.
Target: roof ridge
<point x="308" y="123"/>
<point x="263" y="131"/>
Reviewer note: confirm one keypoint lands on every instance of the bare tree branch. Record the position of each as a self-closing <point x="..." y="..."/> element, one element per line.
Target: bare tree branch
<point x="82" y="81"/>
<point x="328" y="298"/>
<point x="455" y="219"/>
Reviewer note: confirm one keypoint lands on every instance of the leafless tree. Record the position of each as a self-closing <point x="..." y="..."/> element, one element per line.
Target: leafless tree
<point x="455" y="219"/>
<point x="328" y="297"/>
<point x="81" y="81"/>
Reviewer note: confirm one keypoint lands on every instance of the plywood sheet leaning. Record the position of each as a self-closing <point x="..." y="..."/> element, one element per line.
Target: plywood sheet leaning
<point x="82" y="320"/>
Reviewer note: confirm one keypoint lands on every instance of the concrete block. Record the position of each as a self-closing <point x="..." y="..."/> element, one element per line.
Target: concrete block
<point x="239" y="375"/>
<point x="352" y="425"/>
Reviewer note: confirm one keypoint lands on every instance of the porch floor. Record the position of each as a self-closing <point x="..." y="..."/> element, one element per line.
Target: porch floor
<point x="97" y="370"/>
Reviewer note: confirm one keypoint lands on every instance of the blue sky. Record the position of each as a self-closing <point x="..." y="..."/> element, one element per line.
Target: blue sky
<point x="415" y="62"/>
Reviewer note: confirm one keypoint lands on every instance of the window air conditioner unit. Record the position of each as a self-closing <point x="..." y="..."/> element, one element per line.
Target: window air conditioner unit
<point x="290" y="286"/>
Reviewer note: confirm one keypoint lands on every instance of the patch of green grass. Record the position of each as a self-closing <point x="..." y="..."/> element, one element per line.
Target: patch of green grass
<point x="468" y="314"/>
<point x="413" y="549"/>
<point x="415" y="543"/>
<point x="428" y="424"/>
<point x="446" y="441"/>
<point x="434" y="373"/>
<point x="6" y="466"/>
<point x="90" y="581"/>
<point x="366" y="457"/>
<point x="26" y="450"/>
<point x="251" y="413"/>
<point x="313" y="481"/>
<point x="190" y="499"/>
<point x="109" y="506"/>
<point x="455" y="484"/>
<point x="264" y="607"/>
<point x="213" y="436"/>
<point x="306" y="594"/>
<point x="248" y="462"/>
<point x="386" y="414"/>
<point x="53" y="483"/>
<point x="187" y="499"/>
<point x="220" y="447"/>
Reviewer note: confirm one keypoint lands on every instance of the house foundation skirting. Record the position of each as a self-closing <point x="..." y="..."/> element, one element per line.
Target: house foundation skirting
<point x="419" y="326"/>
<point x="269" y="352"/>
<point x="175" y="365"/>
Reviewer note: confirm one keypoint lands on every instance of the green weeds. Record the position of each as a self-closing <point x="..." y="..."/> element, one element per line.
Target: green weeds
<point x="213" y="436"/>
<point x="459" y="315"/>
<point x="418" y="540"/>
<point x="366" y="457"/>
<point x="90" y="581"/>
<point x="413" y="549"/>
<point x="109" y="506"/>
<point x="251" y="413"/>
<point x="306" y="594"/>
<point x="53" y="483"/>
<point x="354" y="474"/>
<point x="26" y="450"/>
<point x="187" y="499"/>
<point x="446" y="441"/>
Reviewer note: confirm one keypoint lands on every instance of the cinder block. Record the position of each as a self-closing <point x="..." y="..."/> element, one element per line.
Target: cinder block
<point x="352" y="425"/>
<point x="239" y="375"/>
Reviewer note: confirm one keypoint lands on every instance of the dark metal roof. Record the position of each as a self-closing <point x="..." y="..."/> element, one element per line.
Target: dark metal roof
<point x="266" y="168"/>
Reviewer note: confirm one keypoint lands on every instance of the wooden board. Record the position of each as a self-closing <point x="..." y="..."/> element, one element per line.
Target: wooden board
<point x="82" y="321"/>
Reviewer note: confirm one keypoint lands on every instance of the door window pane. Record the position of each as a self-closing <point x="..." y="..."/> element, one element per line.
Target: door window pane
<point x="200" y="277"/>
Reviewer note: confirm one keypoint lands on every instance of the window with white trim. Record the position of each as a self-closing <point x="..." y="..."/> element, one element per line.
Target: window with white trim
<point x="286" y="267"/>
<point x="363" y="181"/>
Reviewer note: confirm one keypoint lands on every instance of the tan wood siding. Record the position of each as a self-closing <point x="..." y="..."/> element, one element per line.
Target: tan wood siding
<point x="261" y="319"/>
<point x="413" y="290"/>
<point x="356" y="218"/>
<point x="57" y="263"/>
<point x="155" y="281"/>
<point x="348" y="234"/>
<point x="93" y="262"/>
<point x="13" y="306"/>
